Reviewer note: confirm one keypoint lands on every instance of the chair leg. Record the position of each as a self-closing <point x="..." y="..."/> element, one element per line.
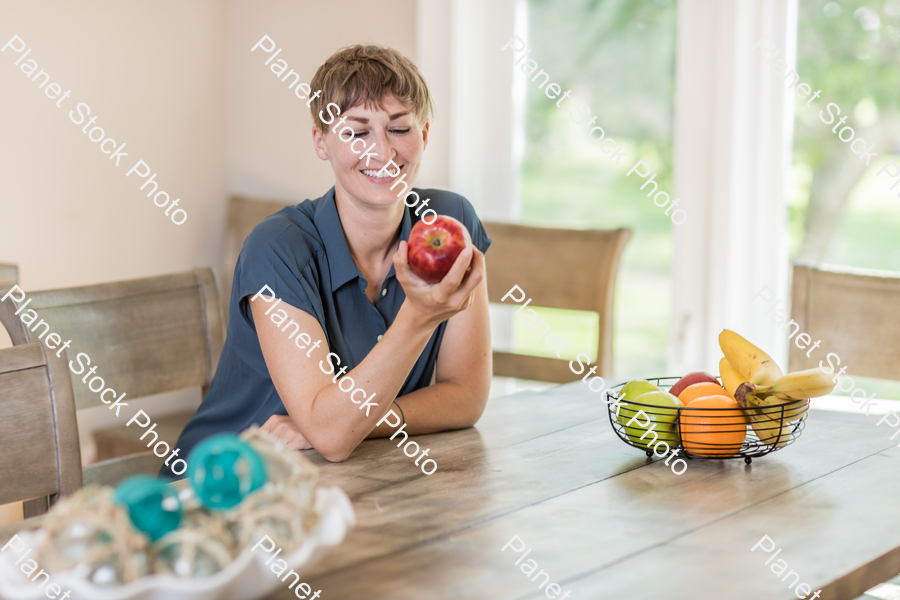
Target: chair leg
<point x="35" y="508"/>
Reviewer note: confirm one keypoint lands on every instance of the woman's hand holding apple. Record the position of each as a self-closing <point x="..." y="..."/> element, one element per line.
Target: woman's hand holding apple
<point x="433" y="303"/>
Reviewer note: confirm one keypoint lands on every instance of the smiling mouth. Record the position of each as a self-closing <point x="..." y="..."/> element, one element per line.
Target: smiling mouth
<point x="384" y="173"/>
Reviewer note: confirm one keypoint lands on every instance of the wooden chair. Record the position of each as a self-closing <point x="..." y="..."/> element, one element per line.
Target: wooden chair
<point x="146" y="336"/>
<point x="243" y="215"/>
<point x="40" y="459"/>
<point x="9" y="276"/>
<point x="557" y="268"/>
<point x="853" y="312"/>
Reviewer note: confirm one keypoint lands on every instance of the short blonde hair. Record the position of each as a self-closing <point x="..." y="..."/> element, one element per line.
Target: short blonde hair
<point x="366" y="75"/>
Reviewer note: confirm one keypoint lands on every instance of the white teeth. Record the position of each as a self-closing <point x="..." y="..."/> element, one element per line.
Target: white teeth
<point x="384" y="174"/>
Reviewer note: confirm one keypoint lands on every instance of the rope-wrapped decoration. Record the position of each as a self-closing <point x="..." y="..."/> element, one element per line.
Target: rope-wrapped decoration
<point x="241" y="489"/>
<point x="92" y="536"/>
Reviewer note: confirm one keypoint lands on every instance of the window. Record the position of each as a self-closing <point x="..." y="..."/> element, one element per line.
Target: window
<point x="841" y="211"/>
<point x="617" y="57"/>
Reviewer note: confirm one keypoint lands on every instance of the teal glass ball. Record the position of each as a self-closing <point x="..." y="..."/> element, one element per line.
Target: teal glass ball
<point x="223" y="470"/>
<point x="152" y="505"/>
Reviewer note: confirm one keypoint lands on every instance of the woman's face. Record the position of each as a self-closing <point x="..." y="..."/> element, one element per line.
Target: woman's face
<point x="397" y="136"/>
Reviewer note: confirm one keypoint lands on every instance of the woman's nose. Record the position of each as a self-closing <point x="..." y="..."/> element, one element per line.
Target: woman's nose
<point x="383" y="148"/>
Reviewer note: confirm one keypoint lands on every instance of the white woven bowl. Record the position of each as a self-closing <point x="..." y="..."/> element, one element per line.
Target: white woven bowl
<point x="246" y="578"/>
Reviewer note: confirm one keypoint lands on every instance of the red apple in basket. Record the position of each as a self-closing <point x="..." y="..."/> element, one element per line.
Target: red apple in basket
<point x="691" y="379"/>
<point x="433" y="247"/>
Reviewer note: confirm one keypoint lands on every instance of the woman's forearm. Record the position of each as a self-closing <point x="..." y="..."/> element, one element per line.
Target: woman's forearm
<point x="463" y="374"/>
<point x="438" y="407"/>
<point x="336" y="424"/>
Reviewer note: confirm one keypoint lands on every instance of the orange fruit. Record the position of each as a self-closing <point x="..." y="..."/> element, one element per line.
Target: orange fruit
<point x="699" y="390"/>
<point x="713" y="432"/>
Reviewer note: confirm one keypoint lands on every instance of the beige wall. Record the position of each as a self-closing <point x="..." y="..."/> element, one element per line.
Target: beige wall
<point x="155" y="76"/>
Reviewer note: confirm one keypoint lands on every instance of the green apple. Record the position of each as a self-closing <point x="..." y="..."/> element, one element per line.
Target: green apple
<point x="633" y="389"/>
<point x="660" y="419"/>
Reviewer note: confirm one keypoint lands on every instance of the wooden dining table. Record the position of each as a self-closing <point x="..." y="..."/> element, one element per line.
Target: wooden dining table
<point x="605" y="522"/>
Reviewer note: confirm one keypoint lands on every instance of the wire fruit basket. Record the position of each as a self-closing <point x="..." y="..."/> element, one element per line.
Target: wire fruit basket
<point x="711" y="433"/>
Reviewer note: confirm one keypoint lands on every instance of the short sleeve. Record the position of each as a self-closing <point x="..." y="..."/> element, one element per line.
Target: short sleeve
<point x="479" y="236"/>
<point x="276" y="256"/>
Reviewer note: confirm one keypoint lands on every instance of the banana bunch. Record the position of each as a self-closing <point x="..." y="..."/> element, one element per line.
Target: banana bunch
<point x="753" y="364"/>
<point x="730" y="377"/>
<point x="755" y="381"/>
<point x="770" y="428"/>
<point x="788" y="390"/>
<point x="801" y="385"/>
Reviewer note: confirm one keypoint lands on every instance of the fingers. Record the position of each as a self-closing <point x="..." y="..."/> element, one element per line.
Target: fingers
<point x="401" y="259"/>
<point x="271" y="423"/>
<point x="452" y="280"/>
<point x="404" y="273"/>
<point x="401" y="264"/>
<point x="283" y="429"/>
<point x="402" y="253"/>
<point x="298" y="442"/>
<point x="474" y="276"/>
<point x="288" y="434"/>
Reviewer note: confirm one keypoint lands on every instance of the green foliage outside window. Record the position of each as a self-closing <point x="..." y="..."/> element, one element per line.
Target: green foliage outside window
<point x="617" y="57"/>
<point x="840" y="212"/>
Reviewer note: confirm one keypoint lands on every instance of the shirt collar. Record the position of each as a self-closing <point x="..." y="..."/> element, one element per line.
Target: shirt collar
<point x="341" y="266"/>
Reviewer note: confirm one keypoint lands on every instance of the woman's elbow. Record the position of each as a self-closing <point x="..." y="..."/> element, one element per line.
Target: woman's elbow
<point x="335" y="455"/>
<point x="334" y="450"/>
<point x="476" y="407"/>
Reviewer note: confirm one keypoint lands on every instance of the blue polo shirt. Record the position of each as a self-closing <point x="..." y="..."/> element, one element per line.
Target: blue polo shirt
<point x="300" y="252"/>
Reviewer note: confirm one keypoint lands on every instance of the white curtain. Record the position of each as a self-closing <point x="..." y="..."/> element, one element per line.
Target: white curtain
<point x="732" y="152"/>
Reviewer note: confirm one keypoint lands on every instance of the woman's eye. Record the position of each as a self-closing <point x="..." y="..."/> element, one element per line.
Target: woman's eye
<point x="360" y="134"/>
<point x="401" y="131"/>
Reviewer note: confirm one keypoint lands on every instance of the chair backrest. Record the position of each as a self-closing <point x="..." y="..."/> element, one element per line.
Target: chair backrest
<point x="9" y="276"/>
<point x="145" y="336"/>
<point x="557" y="268"/>
<point x="40" y="458"/>
<point x="853" y="312"/>
<point x="243" y="215"/>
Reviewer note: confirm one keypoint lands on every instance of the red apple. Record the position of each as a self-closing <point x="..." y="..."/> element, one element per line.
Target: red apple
<point x="691" y="379"/>
<point x="433" y="248"/>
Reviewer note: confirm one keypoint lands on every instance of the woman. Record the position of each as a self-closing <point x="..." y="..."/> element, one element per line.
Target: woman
<point x="338" y="265"/>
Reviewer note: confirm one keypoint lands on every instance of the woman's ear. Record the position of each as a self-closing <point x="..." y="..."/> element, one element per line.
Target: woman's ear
<point x="425" y="128"/>
<point x="319" y="143"/>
